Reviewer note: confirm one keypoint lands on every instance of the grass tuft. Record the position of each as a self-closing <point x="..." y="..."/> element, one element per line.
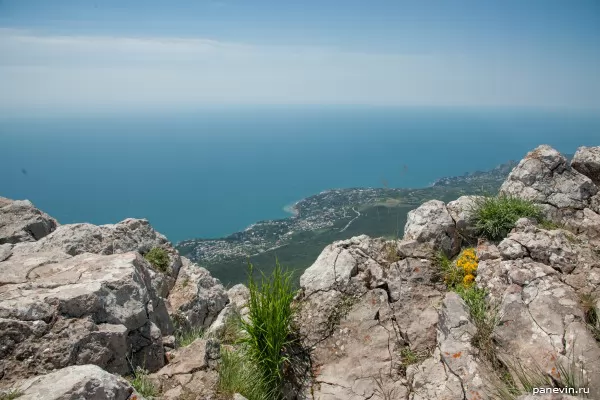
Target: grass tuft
<point x="592" y="314"/>
<point x="142" y="384"/>
<point x="268" y="331"/>
<point x="185" y="337"/>
<point x="11" y="395"/>
<point x="232" y="329"/>
<point x="520" y="380"/>
<point x="159" y="258"/>
<point x="494" y="217"/>
<point x="238" y="375"/>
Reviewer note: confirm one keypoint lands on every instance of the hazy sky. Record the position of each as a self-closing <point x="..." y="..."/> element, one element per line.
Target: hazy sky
<point x="124" y="54"/>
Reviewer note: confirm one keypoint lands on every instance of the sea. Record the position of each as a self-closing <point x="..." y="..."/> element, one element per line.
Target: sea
<point x="213" y="171"/>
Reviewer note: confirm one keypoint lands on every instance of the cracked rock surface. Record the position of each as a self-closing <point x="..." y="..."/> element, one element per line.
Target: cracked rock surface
<point x="20" y="221"/>
<point x="78" y="382"/>
<point x="569" y="197"/>
<point x="83" y="294"/>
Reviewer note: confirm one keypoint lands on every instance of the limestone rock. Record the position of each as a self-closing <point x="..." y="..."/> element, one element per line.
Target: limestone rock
<point x="461" y="211"/>
<point x="338" y="263"/>
<point x="196" y="298"/>
<point x="20" y="221"/>
<point x="87" y="309"/>
<point x="567" y="196"/>
<point x="358" y="324"/>
<point x="239" y="295"/>
<point x="432" y="223"/>
<point x="587" y="162"/>
<point x="189" y="373"/>
<point x="542" y="324"/>
<point x="78" y="383"/>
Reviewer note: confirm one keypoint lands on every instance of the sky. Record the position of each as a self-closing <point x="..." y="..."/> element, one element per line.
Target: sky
<point x="89" y="55"/>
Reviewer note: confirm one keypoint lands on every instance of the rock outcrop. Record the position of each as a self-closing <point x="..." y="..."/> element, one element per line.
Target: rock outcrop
<point x="87" y="309"/>
<point x="77" y="383"/>
<point x="81" y="300"/>
<point x="197" y="298"/>
<point x="20" y="221"/>
<point x="380" y="323"/>
<point x="569" y="197"/>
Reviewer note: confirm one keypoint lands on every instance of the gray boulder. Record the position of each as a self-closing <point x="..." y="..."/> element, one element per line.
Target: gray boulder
<point x="20" y="221"/>
<point x="567" y="196"/>
<point x="128" y="235"/>
<point x="78" y="383"/>
<point x="432" y="223"/>
<point x="197" y="298"/>
<point x="461" y="211"/>
<point x="587" y="162"/>
<point x="87" y="309"/>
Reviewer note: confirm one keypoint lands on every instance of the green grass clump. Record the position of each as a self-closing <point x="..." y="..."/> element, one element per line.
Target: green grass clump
<point x="232" y="329"/>
<point x="494" y="217"/>
<point x="185" y="337"/>
<point x="592" y="314"/>
<point x="268" y="330"/>
<point x="237" y="374"/>
<point x="142" y="384"/>
<point x="520" y="380"/>
<point x="11" y="395"/>
<point x="159" y="258"/>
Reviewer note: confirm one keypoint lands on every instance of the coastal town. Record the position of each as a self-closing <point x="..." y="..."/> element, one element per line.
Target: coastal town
<point x="330" y="209"/>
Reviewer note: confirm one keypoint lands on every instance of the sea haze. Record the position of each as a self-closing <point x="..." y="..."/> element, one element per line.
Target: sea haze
<point x="212" y="172"/>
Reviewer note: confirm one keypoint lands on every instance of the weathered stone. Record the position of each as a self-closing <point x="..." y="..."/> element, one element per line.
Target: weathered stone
<point x="461" y="211"/>
<point x="339" y="262"/>
<point x="189" y="373"/>
<point x="77" y="383"/>
<point x="432" y="223"/>
<point x="196" y="298"/>
<point x="587" y="162"/>
<point x="20" y="221"/>
<point x="81" y="310"/>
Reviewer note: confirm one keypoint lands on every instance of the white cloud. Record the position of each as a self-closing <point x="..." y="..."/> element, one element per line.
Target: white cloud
<point x="86" y="72"/>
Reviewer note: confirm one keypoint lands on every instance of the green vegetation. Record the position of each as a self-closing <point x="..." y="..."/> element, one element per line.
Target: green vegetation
<point x="232" y="329"/>
<point x="238" y="375"/>
<point x="494" y="217"/>
<point x="410" y="357"/>
<point x="269" y="327"/>
<point x="159" y="258"/>
<point x="391" y="252"/>
<point x="255" y="368"/>
<point x="486" y="318"/>
<point x="521" y="380"/>
<point x="11" y="394"/>
<point x="142" y="384"/>
<point x="185" y="337"/>
<point x="592" y="314"/>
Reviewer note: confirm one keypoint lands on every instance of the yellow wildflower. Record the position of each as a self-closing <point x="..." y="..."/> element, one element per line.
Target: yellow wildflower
<point x="468" y="280"/>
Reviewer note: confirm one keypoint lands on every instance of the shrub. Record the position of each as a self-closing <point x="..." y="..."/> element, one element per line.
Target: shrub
<point x="494" y="217"/>
<point x="159" y="258"/>
<point x="268" y="330"/>
<point x="142" y="384"/>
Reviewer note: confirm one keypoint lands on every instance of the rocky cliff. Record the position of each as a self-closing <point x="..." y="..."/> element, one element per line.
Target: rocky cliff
<point x="81" y="305"/>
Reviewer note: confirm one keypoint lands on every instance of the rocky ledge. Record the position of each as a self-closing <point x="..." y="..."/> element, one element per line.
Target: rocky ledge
<point x="81" y="306"/>
<point x="81" y="301"/>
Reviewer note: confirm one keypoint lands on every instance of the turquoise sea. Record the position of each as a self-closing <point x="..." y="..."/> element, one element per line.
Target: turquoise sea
<point x="214" y="171"/>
